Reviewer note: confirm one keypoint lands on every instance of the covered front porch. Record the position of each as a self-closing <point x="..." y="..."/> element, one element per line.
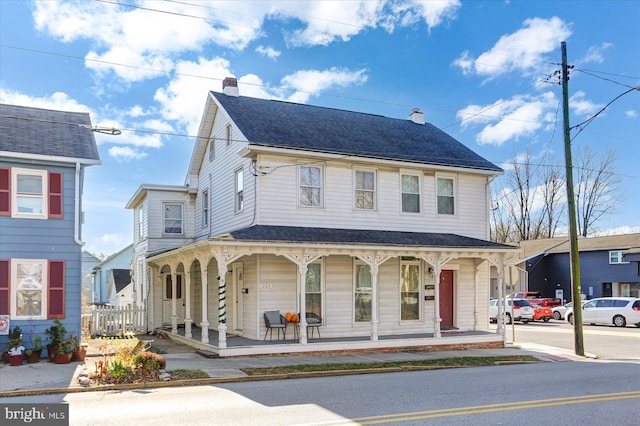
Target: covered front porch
<point x="372" y="290"/>
<point x="243" y="346"/>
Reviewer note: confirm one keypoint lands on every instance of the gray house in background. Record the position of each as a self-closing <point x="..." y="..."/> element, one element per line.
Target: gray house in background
<point x="43" y="157"/>
<point x="103" y="276"/>
<point x="89" y="261"/>
<point x="609" y="266"/>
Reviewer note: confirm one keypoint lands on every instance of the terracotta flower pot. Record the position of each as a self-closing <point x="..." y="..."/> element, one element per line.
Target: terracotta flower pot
<point x="52" y="350"/>
<point x="5" y="357"/>
<point x="79" y="354"/>
<point x="34" y="356"/>
<point x="16" y="360"/>
<point x="62" y="358"/>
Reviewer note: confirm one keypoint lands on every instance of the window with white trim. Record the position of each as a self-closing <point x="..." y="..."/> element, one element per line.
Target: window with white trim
<point x="239" y="190"/>
<point x="29" y="290"/>
<point x="212" y="149"/>
<point x="205" y="208"/>
<point x="173" y="218"/>
<point x="616" y="257"/>
<point x="410" y="185"/>
<point x="228" y="134"/>
<point x="313" y="289"/>
<point x="30" y="195"/>
<point x="363" y="292"/>
<point x="409" y="290"/>
<point x="446" y="197"/>
<point x="141" y="227"/>
<point x="365" y="190"/>
<point x="310" y="186"/>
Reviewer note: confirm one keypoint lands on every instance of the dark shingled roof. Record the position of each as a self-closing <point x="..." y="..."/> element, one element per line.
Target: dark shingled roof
<point x="361" y="236"/>
<point x="121" y="278"/>
<point x="297" y="126"/>
<point x="46" y="132"/>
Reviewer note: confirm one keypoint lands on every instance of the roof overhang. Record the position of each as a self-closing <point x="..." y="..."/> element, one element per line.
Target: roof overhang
<point x="144" y="188"/>
<point x="49" y="158"/>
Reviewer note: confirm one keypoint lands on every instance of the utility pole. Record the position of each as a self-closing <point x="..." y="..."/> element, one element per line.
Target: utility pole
<point x="574" y="258"/>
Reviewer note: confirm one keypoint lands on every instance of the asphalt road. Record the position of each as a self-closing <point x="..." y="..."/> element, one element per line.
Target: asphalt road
<point x="605" y="342"/>
<point x="557" y="393"/>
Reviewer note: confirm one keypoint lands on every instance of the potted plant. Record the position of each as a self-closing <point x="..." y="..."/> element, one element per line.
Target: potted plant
<point x="65" y="352"/>
<point x="15" y="348"/>
<point x="55" y="335"/>
<point x="78" y="350"/>
<point x="35" y="351"/>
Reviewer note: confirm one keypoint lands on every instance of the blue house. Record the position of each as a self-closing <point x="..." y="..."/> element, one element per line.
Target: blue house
<point x="609" y="266"/>
<point x="104" y="278"/>
<point x="43" y="156"/>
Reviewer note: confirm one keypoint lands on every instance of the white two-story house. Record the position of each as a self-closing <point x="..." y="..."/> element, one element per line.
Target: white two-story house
<point x="378" y="226"/>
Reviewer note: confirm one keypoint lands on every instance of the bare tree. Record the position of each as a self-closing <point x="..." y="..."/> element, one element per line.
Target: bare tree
<point x="554" y="206"/>
<point x="596" y="187"/>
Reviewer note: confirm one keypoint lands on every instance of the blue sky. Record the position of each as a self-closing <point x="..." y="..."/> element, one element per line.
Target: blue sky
<point x="477" y="69"/>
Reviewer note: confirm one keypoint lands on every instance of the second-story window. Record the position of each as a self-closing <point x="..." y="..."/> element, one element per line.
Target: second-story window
<point x="310" y="186"/>
<point x="616" y="256"/>
<point x="173" y="218"/>
<point x="205" y="208"/>
<point x="30" y="194"/>
<point x="228" y="134"/>
<point x="212" y="149"/>
<point x="239" y="190"/>
<point x="446" y="198"/>
<point x="410" y="193"/>
<point x="365" y="194"/>
<point x="141" y="225"/>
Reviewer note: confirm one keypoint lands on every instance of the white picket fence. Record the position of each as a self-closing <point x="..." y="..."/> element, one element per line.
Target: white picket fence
<point x="113" y="320"/>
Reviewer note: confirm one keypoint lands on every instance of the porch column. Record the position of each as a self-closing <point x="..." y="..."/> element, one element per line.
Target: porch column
<point x="174" y="310"/>
<point x="222" y="304"/>
<point x="375" y="268"/>
<point x="187" y="287"/>
<point x="302" y="325"/>
<point x="205" y="316"/>
<point x="436" y="309"/>
<point x="500" y="329"/>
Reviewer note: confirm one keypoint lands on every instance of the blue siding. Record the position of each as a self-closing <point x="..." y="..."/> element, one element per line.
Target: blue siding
<point x="51" y="240"/>
<point x="553" y="271"/>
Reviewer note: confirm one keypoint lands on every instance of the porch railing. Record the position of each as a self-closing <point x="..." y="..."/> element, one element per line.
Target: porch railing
<point x="114" y="320"/>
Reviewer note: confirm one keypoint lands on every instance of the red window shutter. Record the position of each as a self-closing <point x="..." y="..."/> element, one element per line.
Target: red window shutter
<point x="56" y="289"/>
<point x="5" y="191"/>
<point x="55" y="195"/>
<point x="4" y="287"/>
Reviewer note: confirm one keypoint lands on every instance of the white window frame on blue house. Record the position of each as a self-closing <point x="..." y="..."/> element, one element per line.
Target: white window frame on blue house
<point x="19" y="198"/>
<point x="616" y="257"/>
<point x="23" y="282"/>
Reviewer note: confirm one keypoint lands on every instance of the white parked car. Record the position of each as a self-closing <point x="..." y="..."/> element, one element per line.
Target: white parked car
<point x="618" y="311"/>
<point x="560" y="312"/>
<point x="520" y="311"/>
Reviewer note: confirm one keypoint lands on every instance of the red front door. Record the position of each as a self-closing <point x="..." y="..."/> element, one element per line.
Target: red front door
<point x="446" y="298"/>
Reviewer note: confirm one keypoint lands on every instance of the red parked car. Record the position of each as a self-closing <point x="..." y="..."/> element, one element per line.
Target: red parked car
<point x="543" y="313"/>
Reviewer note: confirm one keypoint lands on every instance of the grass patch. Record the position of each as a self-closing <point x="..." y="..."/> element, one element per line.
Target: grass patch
<point x="187" y="374"/>
<point x="426" y="363"/>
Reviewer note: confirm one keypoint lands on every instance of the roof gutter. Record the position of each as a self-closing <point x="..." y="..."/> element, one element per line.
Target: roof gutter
<point x="49" y="158"/>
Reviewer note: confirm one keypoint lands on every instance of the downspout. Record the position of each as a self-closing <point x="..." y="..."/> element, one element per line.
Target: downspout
<point x="77" y="224"/>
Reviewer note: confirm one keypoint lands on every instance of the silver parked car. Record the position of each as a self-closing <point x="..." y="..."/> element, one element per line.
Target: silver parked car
<point x="520" y="311"/>
<point x="618" y="311"/>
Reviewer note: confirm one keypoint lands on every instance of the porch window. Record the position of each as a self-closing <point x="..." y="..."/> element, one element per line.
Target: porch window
<point x="410" y="194"/>
<point x="310" y="186"/>
<point x="313" y="289"/>
<point x="172" y="218"/>
<point x="409" y="291"/>
<point x="446" y="198"/>
<point x="363" y="293"/>
<point x="239" y="190"/>
<point x="168" y="291"/>
<point x="365" y="193"/>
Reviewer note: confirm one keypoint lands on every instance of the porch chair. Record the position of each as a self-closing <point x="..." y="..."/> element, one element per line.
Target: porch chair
<point x="273" y="319"/>
<point x="314" y="321"/>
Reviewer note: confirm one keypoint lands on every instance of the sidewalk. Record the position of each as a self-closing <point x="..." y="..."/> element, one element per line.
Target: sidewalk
<point x="47" y="377"/>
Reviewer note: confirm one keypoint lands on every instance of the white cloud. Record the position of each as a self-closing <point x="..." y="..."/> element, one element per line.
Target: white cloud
<point x="269" y="52"/>
<point x="582" y="106"/>
<point x="594" y="54"/>
<point x="57" y="101"/>
<point x="522" y="50"/>
<point x="309" y="82"/>
<point x="509" y="119"/>
<point x="632" y="113"/>
<point x="125" y="153"/>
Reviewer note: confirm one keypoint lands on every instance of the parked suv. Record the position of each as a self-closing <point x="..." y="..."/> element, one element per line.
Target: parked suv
<point x="618" y="311"/>
<point x="520" y="311"/>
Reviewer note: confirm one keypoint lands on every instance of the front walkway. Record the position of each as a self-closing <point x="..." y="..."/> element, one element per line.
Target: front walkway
<point x="242" y="346"/>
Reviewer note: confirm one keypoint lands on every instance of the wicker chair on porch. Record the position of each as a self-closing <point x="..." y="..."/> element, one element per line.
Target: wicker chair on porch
<point x="273" y="319"/>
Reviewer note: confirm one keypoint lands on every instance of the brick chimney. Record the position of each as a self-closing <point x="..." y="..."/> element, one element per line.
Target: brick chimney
<point x="417" y="116"/>
<point x="230" y="86"/>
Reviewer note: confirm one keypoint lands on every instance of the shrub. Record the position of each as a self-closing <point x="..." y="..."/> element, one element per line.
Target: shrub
<point x="117" y="370"/>
<point x="149" y="361"/>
